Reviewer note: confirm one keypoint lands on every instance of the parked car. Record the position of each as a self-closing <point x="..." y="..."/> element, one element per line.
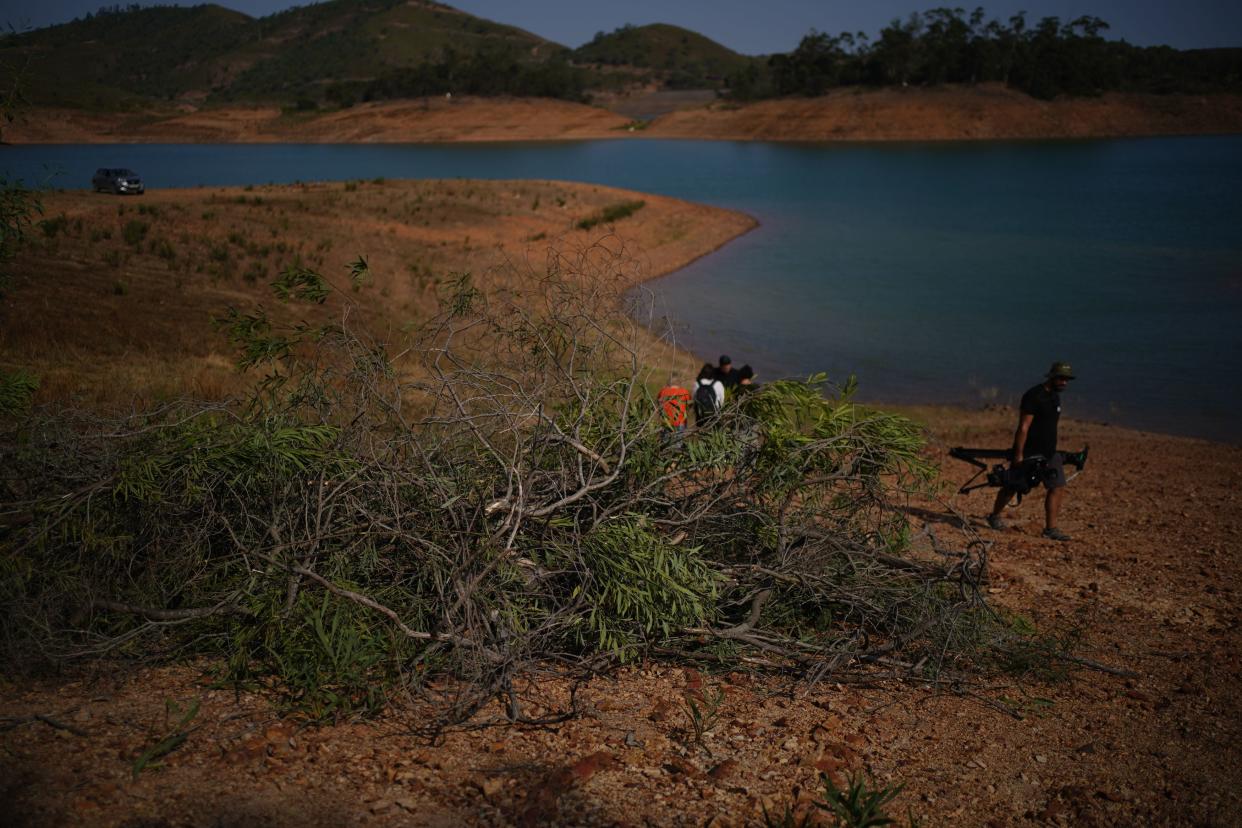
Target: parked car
<point x="117" y="180"/>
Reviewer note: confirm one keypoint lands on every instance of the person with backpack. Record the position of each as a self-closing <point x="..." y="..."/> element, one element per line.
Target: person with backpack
<point x="709" y="396"/>
<point x="674" y="404"/>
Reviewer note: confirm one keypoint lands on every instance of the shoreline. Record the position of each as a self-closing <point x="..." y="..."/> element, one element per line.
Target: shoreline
<point x="983" y="113"/>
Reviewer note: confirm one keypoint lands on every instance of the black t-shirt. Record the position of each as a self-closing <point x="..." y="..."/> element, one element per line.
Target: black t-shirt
<point x="1045" y="406"/>
<point x="729" y="379"/>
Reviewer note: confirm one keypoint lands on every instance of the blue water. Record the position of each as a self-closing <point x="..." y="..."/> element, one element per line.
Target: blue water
<point x="949" y="273"/>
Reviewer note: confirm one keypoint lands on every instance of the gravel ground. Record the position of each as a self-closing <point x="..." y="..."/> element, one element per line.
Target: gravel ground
<point x="1149" y="582"/>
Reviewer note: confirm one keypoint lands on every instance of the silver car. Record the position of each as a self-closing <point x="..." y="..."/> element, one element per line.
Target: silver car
<point x="117" y="180"/>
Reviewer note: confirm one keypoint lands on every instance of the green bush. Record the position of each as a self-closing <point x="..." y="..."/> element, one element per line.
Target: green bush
<point x="51" y="227"/>
<point x="164" y="249"/>
<point x="134" y="232"/>
<point x="640" y="589"/>
<point x="17" y="389"/>
<point x="611" y="213"/>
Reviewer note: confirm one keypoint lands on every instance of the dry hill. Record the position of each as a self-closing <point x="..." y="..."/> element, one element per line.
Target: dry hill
<point x="943" y="113"/>
<point x="114" y="299"/>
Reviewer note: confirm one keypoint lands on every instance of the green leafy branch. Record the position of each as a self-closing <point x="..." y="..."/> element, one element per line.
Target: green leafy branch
<point x="173" y="737"/>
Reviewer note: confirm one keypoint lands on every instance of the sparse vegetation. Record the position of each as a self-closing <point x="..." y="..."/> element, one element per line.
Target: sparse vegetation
<point x="134" y="232"/>
<point x="53" y="226"/>
<point x="174" y="732"/>
<point x="18" y="207"/>
<point x="17" y="389"/>
<point x="611" y="213"/>
<point x="703" y="713"/>
<point x="856" y="806"/>
<point x="164" y="249"/>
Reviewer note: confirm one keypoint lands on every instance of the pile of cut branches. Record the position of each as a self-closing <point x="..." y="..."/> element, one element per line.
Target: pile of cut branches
<point x="499" y="500"/>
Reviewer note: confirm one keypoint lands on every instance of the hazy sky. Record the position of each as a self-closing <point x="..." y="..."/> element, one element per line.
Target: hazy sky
<point x="762" y="27"/>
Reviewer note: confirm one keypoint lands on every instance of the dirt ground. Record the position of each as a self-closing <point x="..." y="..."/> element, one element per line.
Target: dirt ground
<point x="943" y="113"/>
<point x="113" y="300"/>
<point x="986" y="112"/>
<point x="1150" y="583"/>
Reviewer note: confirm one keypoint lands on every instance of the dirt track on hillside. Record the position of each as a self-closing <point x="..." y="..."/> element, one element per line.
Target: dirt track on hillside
<point x="945" y="113"/>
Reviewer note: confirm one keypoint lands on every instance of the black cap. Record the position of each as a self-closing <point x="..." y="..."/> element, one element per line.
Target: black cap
<point x="724" y="360"/>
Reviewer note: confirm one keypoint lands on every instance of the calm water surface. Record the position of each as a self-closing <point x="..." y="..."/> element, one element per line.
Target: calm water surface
<point x="948" y="273"/>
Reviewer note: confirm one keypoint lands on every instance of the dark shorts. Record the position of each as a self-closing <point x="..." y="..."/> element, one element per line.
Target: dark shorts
<point x="1054" y="471"/>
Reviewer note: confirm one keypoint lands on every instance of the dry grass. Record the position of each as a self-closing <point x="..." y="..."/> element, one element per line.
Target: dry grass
<point x="113" y="301"/>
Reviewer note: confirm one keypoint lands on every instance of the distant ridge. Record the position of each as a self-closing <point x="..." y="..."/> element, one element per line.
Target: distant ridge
<point x="683" y="59"/>
<point x="335" y="54"/>
<point x="123" y="58"/>
<point x="120" y="59"/>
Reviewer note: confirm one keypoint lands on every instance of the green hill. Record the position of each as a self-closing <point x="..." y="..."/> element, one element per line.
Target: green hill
<point x="126" y="58"/>
<point x="362" y="40"/>
<point x="116" y="59"/>
<point x="679" y="57"/>
<point x="338" y="52"/>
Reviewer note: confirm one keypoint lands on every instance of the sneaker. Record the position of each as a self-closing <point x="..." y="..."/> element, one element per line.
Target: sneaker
<point x="996" y="523"/>
<point x="1056" y="535"/>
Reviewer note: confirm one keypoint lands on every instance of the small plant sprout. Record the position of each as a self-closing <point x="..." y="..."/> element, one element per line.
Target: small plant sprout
<point x="703" y="713"/>
<point x="175" y="731"/>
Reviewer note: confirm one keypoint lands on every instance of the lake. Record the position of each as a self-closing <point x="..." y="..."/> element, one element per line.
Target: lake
<point x="937" y="273"/>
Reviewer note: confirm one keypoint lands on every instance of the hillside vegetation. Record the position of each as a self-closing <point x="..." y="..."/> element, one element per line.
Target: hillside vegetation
<point x="683" y="59"/>
<point x="117" y="59"/>
<point x="124" y="56"/>
<point x="1044" y="59"/>
<point x="343" y="52"/>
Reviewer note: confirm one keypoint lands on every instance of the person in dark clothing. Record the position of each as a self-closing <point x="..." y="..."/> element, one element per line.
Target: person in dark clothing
<point x="745" y="379"/>
<point x="728" y="377"/>
<point x="1036" y="435"/>
<point x="709" y="396"/>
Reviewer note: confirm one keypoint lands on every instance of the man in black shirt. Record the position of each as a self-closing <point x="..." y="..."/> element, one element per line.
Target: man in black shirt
<point x="1037" y="436"/>
<point x="726" y="374"/>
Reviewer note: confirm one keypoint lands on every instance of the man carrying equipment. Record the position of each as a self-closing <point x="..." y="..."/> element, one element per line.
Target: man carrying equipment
<point x="1036" y="437"/>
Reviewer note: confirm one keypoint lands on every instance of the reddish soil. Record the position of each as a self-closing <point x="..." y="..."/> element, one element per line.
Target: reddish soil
<point x="1150" y="581"/>
<point x="413" y="121"/>
<point x="942" y="113"/>
<point x="113" y="298"/>
<point x="949" y="113"/>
